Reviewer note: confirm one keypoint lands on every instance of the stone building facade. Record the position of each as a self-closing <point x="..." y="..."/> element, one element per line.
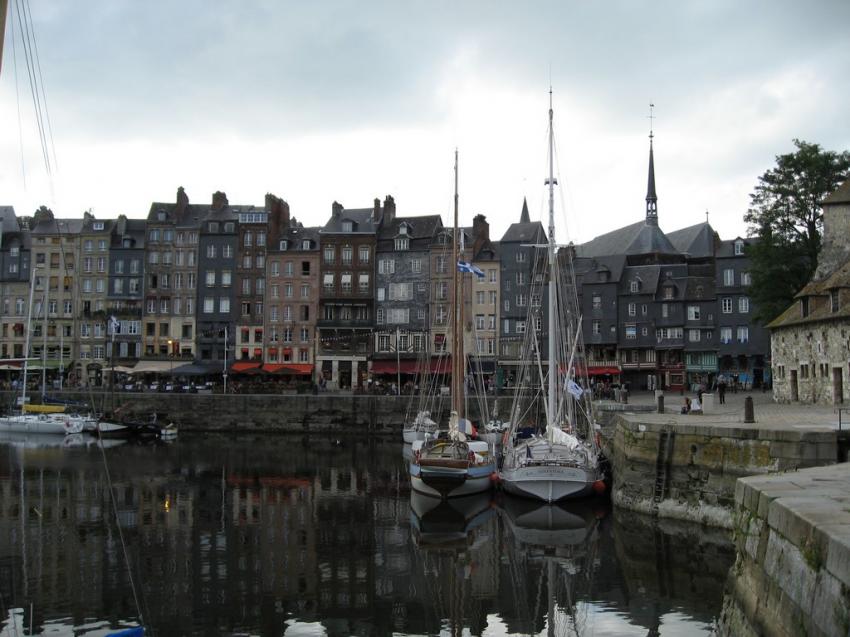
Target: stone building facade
<point x="810" y="341"/>
<point x="125" y="289"/>
<point x="14" y="285"/>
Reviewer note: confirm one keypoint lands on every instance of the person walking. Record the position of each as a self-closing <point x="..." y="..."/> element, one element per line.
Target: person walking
<point x="721" y="389"/>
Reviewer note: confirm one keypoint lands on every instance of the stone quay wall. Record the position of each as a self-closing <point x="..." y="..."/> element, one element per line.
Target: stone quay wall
<point x="792" y="571"/>
<point x="330" y="413"/>
<point x="689" y="471"/>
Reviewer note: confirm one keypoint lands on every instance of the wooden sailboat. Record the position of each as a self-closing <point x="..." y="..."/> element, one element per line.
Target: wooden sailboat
<point x="448" y="463"/>
<point x="557" y="456"/>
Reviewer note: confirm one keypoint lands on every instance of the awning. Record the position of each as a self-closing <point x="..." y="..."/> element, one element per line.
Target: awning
<point x="288" y="368"/>
<point x="442" y="365"/>
<point x="390" y="367"/>
<point x="329" y="279"/>
<point x="602" y="371"/>
<point x="48" y="364"/>
<point x="10" y="366"/>
<point x="121" y="369"/>
<point x="246" y="368"/>
<point x="483" y="367"/>
<point x="198" y="369"/>
<point x="153" y="367"/>
<point x="345" y="278"/>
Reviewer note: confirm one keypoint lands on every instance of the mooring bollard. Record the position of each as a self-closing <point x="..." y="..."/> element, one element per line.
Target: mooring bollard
<point x="660" y="403"/>
<point x="749" y="414"/>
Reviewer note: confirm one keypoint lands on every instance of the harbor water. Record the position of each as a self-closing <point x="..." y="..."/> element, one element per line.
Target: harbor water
<point x="291" y="535"/>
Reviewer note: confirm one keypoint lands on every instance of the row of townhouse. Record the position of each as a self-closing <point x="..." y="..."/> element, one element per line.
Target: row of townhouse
<point x="368" y="292"/>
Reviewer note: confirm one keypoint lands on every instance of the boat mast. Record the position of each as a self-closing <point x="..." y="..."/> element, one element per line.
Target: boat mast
<point x="457" y="315"/>
<point x="553" y="370"/>
<point x="34" y="268"/>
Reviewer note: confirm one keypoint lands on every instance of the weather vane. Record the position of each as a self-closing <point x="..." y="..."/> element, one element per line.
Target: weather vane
<point x="651" y="117"/>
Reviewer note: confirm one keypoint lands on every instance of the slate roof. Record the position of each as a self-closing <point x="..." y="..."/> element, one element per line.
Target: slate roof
<point x="8" y="219"/>
<point x="295" y="234"/>
<point x="531" y="232"/>
<point x="696" y="241"/>
<point x="820" y="307"/>
<point x="134" y="229"/>
<point x="649" y="276"/>
<point x="364" y="222"/>
<point x="484" y="252"/>
<point x="841" y="195"/>
<point x="59" y="226"/>
<point x="421" y="227"/>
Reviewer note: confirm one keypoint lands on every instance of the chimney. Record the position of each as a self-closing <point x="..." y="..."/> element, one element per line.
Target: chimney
<point x="480" y="232"/>
<point x="219" y="200"/>
<point x="336" y="209"/>
<point x="376" y="211"/>
<point x="121" y="226"/>
<point x="389" y="209"/>
<point x="182" y="202"/>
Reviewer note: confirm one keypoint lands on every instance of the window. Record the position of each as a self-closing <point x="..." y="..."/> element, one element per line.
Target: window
<point x="597" y="302"/>
<point x="634" y="286"/>
<point x="535" y="300"/>
<point x="506" y="326"/>
<point x="247" y="239"/>
<point x="275" y="270"/>
<point x="226" y="278"/>
<point x="224" y="304"/>
<point x="597" y="327"/>
<point x="726" y="305"/>
<point x="209" y="305"/>
<point x="743" y="334"/>
<point x="693" y="312"/>
<point x="347" y="226"/>
<point x="725" y="335"/>
<point x="520" y="258"/>
<point x="226" y="253"/>
<point x="364" y="254"/>
<point x="210" y="278"/>
<point x="744" y="305"/>
<point x="305" y="289"/>
<point x="521" y="300"/>
<point x="329" y="255"/>
<point x="347" y="255"/>
<point x="520" y="327"/>
<point x="632" y="309"/>
<point x="693" y="336"/>
<point x="398" y="316"/>
<point x="260" y="261"/>
<point x="665" y="310"/>
<point x="507" y="305"/>
<point x="520" y="278"/>
<point x="440" y="265"/>
<point x="379" y="316"/>
<point x="328" y="283"/>
<point x="287" y="290"/>
<point x="833" y="300"/>
<point x="261" y="238"/>
<point x="728" y="277"/>
<point x="345" y="283"/>
<point x="386" y="266"/>
<point x="363" y="285"/>
<point x="669" y="292"/>
<point x="631" y="332"/>
<point x="739" y="248"/>
<point x="416" y="266"/>
<point x="746" y="279"/>
<point x="287" y="268"/>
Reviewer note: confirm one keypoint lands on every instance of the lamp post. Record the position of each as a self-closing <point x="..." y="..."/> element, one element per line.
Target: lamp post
<point x="171" y="362"/>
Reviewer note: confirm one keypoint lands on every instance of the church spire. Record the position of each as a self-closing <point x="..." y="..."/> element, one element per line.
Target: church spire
<point x="524" y="217"/>
<point x="651" y="197"/>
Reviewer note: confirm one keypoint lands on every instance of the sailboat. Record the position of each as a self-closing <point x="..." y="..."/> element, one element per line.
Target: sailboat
<point x="449" y="463"/>
<point x="548" y="457"/>
<point x="418" y="421"/>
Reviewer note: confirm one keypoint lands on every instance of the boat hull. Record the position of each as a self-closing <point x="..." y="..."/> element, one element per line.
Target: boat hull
<point x="412" y="435"/>
<point x="40" y="424"/>
<point x="549" y="483"/>
<point x="451" y="482"/>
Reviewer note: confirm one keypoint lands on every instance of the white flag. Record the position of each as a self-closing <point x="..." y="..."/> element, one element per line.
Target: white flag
<point x="574" y="388"/>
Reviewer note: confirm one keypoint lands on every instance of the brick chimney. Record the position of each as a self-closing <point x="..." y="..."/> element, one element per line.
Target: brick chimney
<point x="278" y="211"/>
<point x="389" y="209"/>
<point x="376" y="210"/>
<point x="219" y="200"/>
<point x="182" y="202"/>
<point x="480" y="233"/>
<point x="336" y="209"/>
<point x="121" y="225"/>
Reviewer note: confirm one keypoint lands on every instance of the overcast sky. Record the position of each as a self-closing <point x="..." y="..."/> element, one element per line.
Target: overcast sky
<point x="352" y="100"/>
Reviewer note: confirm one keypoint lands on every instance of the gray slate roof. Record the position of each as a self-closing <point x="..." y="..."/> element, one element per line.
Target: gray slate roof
<point x="59" y="226"/>
<point x="8" y="219"/>
<point x="531" y="232"/>
<point x="423" y="227"/>
<point x="695" y="241"/>
<point x="364" y="223"/>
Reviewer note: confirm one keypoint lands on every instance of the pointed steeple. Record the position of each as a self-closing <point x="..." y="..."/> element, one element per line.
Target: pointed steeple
<point x="651" y="197"/>
<point x="524" y="217"/>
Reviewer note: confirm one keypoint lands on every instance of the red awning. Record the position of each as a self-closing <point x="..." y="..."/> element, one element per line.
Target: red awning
<point x="393" y="367"/>
<point x="288" y="368"/>
<point x="602" y="371"/>
<point x="272" y="350"/>
<point x="243" y="368"/>
<point x="441" y="365"/>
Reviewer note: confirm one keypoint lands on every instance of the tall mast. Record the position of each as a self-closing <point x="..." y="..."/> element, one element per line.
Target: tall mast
<point x="552" y="407"/>
<point x="27" y="340"/>
<point x="457" y="338"/>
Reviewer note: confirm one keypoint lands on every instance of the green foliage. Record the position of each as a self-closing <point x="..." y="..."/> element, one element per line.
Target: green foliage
<point x="785" y="215"/>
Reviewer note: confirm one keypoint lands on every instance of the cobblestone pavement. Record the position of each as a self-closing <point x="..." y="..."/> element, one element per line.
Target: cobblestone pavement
<point x="768" y="414"/>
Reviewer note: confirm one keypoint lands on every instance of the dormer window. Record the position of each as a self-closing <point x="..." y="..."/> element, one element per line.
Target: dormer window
<point x="160" y="215"/>
<point x="402" y="229"/>
<point x="804" y="307"/>
<point x="347" y="226"/>
<point x="127" y="243"/>
<point x="402" y="243"/>
<point x="669" y="292"/>
<point x="739" y="248"/>
<point x="833" y="300"/>
<point x="305" y="244"/>
<point x="635" y="286"/>
<point x="213" y="227"/>
<point x="229" y="226"/>
<point x="284" y="244"/>
<point x="97" y="225"/>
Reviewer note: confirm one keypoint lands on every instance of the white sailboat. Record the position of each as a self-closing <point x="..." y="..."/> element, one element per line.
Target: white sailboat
<point x="550" y="458"/>
<point x="449" y="464"/>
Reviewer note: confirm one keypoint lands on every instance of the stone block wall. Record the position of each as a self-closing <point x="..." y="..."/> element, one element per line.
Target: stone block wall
<point x="813" y="344"/>
<point x="702" y="464"/>
<point x="792" y="571"/>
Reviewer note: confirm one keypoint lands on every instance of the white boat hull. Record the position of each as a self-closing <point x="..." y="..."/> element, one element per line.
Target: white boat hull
<point x="549" y="483"/>
<point x="465" y="485"/>
<point x="412" y="435"/>
<point x="56" y="424"/>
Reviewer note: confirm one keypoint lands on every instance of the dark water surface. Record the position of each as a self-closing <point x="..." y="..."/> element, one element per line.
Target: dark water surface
<point x="303" y="536"/>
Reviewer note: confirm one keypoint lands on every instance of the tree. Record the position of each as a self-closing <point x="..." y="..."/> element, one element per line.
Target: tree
<point x="786" y="218"/>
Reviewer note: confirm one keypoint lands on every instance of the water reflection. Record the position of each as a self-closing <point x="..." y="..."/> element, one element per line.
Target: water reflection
<point x="290" y="535"/>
